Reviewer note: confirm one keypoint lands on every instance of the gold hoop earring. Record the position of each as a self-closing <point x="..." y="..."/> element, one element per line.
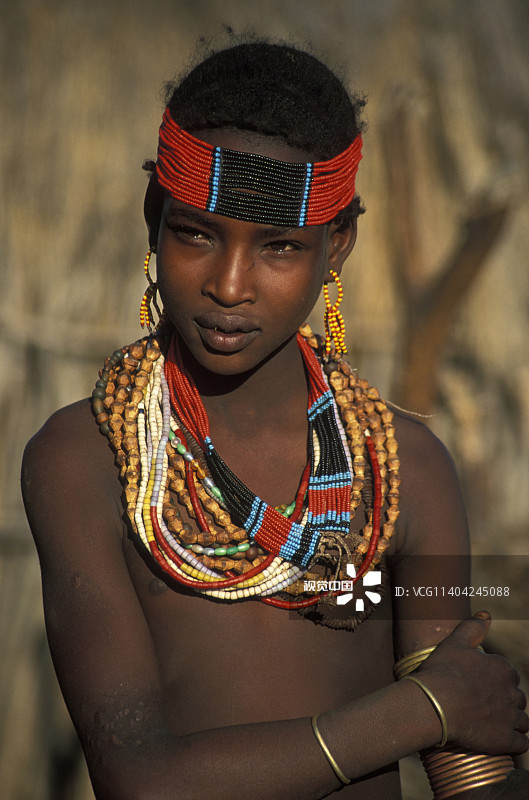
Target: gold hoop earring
<point x="334" y="324"/>
<point x="146" y="313"/>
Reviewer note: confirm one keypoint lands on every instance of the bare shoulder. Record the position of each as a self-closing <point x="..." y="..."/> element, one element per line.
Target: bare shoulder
<point x="419" y="447"/>
<point x="67" y="471"/>
<point x="73" y="422"/>
<point x="433" y="516"/>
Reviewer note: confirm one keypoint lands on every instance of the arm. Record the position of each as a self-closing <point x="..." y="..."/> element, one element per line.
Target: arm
<point x="433" y="548"/>
<point x="109" y="673"/>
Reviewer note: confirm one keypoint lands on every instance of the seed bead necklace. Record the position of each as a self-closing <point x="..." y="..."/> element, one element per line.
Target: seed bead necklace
<point x="159" y="461"/>
<point x="329" y="484"/>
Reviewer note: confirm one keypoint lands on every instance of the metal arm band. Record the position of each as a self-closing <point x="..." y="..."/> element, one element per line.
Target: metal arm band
<point x="337" y="771"/>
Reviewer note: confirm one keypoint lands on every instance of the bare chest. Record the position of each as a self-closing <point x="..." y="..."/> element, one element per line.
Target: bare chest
<point x="233" y="663"/>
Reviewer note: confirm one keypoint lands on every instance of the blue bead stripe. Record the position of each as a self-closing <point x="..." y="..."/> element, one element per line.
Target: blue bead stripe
<point x="301" y="544"/>
<point x="305" y="201"/>
<point x="293" y="541"/>
<point x="325" y="520"/>
<point x="322" y="481"/>
<point x="215" y="180"/>
<point x="255" y="518"/>
<point x="320" y="405"/>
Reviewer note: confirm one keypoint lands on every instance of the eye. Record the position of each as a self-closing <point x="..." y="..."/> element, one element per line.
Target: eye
<point x="187" y="233"/>
<point x="284" y="246"/>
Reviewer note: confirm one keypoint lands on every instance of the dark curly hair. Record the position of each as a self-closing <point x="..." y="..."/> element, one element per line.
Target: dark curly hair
<point x="272" y="89"/>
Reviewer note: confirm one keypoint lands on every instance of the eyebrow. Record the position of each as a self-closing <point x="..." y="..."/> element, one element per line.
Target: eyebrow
<point x="209" y="222"/>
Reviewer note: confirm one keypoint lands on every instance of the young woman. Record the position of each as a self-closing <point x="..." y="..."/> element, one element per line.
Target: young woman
<point x="194" y="571"/>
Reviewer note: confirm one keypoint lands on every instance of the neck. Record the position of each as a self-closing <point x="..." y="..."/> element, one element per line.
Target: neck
<point x="277" y="387"/>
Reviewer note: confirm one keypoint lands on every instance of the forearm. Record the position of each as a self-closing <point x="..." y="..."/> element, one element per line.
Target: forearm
<point x="389" y="724"/>
<point x="262" y="760"/>
<point x="455" y="772"/>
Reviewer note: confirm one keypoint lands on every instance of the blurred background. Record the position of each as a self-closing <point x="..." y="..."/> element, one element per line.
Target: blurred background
<point x="436" y="291"/>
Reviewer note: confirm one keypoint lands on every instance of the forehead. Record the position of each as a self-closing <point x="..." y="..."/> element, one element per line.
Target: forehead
<point x="177" y="212"/>
<point x="253" y="142"/>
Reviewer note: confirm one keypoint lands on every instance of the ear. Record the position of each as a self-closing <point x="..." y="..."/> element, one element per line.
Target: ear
<point x="152" y="209"/>
<point x="340" y="243"/>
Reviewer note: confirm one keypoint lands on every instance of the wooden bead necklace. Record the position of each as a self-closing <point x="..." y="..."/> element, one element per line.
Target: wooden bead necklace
<point x="163" y="469"/>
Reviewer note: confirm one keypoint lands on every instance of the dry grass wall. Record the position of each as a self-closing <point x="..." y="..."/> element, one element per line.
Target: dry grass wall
<point x="441" y="257"/>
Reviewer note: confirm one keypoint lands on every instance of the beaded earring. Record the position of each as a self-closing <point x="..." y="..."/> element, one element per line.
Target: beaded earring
<point x="146" y="314"/>
<point x="334" y="324"/>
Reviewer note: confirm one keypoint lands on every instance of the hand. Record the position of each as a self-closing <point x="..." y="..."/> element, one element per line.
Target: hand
<point x="478" y="693"/>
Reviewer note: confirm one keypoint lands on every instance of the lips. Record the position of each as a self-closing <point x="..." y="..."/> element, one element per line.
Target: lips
<point x="227" y="323"/>
<point x="226" y="333"/>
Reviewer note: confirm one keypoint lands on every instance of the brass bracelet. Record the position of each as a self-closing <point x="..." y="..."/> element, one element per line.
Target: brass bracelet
<point x="453" y="771"/>
<point x="337" y="771"/>
<point x="411" y="662"/>
<point x="436" y="704"/>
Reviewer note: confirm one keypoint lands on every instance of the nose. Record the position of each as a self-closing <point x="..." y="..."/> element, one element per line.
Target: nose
<point x="231" y="279"/>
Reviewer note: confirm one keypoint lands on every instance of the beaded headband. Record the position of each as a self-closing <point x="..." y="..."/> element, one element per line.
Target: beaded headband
<point x="253" y="187"/>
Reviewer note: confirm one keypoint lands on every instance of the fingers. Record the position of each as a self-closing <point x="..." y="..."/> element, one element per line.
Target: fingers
<point x="522" y="722"/>
<point x="482" y="614"/>
<point x="520" y="743"/>
<point x="485" y="708"/>
<point x="471" y="632"/>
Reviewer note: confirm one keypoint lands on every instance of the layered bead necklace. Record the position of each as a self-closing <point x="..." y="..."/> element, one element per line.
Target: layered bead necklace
<point x="240" y="547"/>
<point x="329" y="481"/>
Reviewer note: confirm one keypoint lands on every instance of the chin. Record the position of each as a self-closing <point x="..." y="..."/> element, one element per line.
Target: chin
<point x="217" y="363"/>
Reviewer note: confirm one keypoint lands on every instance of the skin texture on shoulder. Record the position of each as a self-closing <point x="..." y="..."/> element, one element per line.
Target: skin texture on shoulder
<point x="432" y="525"/>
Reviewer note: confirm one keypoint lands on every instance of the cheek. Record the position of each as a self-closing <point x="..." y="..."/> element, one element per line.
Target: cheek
<point x="174" y="288"/>
<point x="174" y="274"/>
<point x="313" y="286"/>
<point x="164" y="279"/>
<point x="167" y="259"/>
<point x="293" y="307"/>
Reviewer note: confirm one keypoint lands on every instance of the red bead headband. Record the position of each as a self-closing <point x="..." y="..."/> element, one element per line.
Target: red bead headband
<point x="253" y="187"/>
